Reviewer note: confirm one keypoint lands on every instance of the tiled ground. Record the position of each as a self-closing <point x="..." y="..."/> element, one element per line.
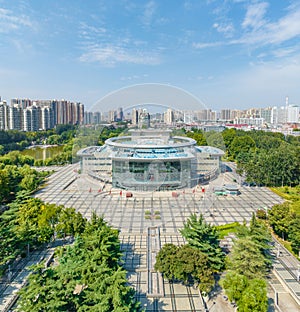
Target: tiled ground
<point x="133" y="216"/>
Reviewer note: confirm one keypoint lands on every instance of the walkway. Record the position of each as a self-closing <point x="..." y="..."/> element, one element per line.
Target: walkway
<point x="18" y="277"/>
<point x="133" y="216"/>
<point x="286" y="268"/>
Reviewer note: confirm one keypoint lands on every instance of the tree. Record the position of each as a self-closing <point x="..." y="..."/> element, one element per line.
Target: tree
<point x="246" y="259"/>
<point x="204" y="237"/>
<point x="69" y="222"/>
<point x="234" y="285"/>
<point x="254" y="297"/>
<point x="4" y="186"/>
<point x="294" y="233"/>
<point x="228" y="136"/>
<point x="88" y="276"/>
<point x="166" y="260"/>
<point x="29" y="182"/>
<point x="186" y="264"/>
<point x="260" y="235"/>
<point x="241" y="144"/>
<point x="198" y="136"/>
<point x="275" y="166"/>
<point x="192" y="265"/>
<point x="280" y="218"/>
<point x="215" y="139"/>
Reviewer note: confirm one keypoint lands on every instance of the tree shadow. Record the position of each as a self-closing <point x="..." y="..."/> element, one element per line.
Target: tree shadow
<point x="271" y="305"/>
<point x="150" y="304"/>
<point x="131" y="259"/>
<point x="132" y="263"/>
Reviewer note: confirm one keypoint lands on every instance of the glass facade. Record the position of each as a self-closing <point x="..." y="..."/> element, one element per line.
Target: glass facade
<point x="151" y="163"/>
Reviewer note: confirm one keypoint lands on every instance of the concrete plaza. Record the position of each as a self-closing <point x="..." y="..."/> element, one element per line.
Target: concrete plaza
<point x="162" y="211"/>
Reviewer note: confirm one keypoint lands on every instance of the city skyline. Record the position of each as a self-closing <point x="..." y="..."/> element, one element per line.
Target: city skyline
<point x="228" y="54"/>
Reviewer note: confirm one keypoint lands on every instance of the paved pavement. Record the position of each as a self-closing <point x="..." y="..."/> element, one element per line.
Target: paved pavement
<point x="286" y="270"/>
<point x="163" y="213"/>
<point x="19" y="276"/>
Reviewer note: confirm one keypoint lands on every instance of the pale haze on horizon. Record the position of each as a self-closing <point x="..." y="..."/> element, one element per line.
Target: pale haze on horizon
<point x="227" y="53"/>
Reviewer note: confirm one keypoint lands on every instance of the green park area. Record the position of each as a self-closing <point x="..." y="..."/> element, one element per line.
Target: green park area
<point x="90" y="274"/>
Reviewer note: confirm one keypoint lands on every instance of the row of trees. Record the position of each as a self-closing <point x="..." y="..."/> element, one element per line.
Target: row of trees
<point x="285" y="221"/>
<point x="12" y="140"/>
<point x="266" y="158"/>
<point x="73" y="139"/>
<point x="31" y="222"/>
<point x="88" y="276"/>
<point x="263" y="157"/>
<point x="14" y="179"/>
<point x="201" y="259"/>
<point x="197" y="261"/>
<point x="247" y="266"/>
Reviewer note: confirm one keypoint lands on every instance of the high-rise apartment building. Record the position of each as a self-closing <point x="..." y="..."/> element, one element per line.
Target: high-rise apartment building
<point x="4" y="115"/>
<point x="225" y="114"/>
<point x="236" y="113"/>
<point x="169" y="116"/>
<point x="266" y="114"/>
<point x="112" y="115"/>
<point x="22" y="103"/>
<point x="120" y="114"/>
<point x="135" y="116"/>
<point x="31" y="120"/>
<point x="28" y="115"/>
<point x="144" y="119"/>
<point x="46" y="118"/>
<point x="15" y="118"/>
<point x="293" y="114"/>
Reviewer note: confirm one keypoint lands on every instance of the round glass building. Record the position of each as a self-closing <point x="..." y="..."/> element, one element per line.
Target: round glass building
<point x="151" y="160"/>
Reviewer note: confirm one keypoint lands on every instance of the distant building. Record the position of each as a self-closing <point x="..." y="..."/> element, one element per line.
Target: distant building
<point x="31" y="118"/>
<point x="225" y="114"/>
<point x="112" y="116"/>
<point x="46" y="118"/>
<point x="15" y="118"/>
<point x="4" y="115"/>
<point x="28" y="115"/>
<point x="293" y="114"/>
<point x="135" y="116"/>
<point x="249" y="121"/>
<point x="267" y="115"/>
<point x="144" y="119"/>
<point x="120" y="114"/>
<point x="169" y="117"/>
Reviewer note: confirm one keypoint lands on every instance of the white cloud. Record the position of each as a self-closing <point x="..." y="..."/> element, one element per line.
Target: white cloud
<point x="255" y="15"/>
<point x="226" y="29"/>
<point x="86" y="30"/>
<point x="264" y="83"/>
<point x="283" y="52"/>
<point x="286" y="28"/>
<point x="9" y="21"/>
<point x="258" y="32"/>
<point x="204" y="45"/>
<point x="110" y="55"/>
<point x="149" y="12"/>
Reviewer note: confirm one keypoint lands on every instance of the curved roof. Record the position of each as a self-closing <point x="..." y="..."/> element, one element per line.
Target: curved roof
<point x="148" y="147"/>
<point x="150" y="142"/>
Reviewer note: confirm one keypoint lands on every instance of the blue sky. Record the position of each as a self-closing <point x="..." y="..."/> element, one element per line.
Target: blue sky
<point x="228" y="53"/>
